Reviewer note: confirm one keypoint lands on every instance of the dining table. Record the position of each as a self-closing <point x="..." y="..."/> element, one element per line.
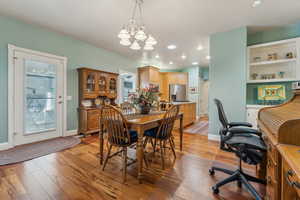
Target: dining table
<point x="140" y="123"/>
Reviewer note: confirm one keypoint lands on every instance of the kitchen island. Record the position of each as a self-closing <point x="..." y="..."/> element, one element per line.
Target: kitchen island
<point x="189" y="113"/>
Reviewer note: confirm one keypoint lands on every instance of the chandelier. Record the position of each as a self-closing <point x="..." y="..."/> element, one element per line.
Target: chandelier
<point x="134" y="33"/>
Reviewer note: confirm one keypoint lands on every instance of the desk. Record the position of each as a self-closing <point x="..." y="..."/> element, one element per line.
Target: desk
<point x="141" y="123"/>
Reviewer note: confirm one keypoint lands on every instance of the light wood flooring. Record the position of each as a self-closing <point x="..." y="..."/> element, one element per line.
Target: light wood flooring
<point x="75" y="174"/>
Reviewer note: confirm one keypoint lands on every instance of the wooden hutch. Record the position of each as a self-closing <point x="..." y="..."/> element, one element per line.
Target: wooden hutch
<point x="96" y="88"/>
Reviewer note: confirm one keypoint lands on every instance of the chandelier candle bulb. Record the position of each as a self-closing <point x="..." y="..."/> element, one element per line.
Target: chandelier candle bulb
<point x="148" y="47"/>
<point x="140" y="35"/>
<point x="135" y="46"/>
<point x="151" y="41"/>
<point x="125" y="42"/>
<point x="124" y="34"/>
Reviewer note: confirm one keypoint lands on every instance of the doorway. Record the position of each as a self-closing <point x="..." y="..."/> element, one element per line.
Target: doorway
<point x="127" y="85"/>
<point x="38" y="90"/>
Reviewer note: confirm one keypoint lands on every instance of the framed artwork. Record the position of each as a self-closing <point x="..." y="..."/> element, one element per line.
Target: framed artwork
<point x="271" y="92"/>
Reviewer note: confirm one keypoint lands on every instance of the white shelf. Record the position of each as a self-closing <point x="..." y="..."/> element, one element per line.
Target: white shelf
<point x="257" y="106"/>
<point x="273" y="80"/>
<point x="273" y="62"/>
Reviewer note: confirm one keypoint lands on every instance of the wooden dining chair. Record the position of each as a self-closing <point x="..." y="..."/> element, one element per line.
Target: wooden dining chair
<point x="118" y="135"/>
<point x="128" y="108"/>
<point x="163" y="133"/>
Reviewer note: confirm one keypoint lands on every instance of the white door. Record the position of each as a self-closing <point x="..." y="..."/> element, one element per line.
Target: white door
<point x="38" y="97"/>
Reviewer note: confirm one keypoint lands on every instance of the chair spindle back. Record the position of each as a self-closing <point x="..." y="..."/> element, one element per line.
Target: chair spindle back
<point x="167" y="124"/>
<point x="116" y="126"/>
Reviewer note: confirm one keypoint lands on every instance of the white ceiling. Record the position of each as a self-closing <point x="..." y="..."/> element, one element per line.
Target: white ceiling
<point x="186" y="23"/>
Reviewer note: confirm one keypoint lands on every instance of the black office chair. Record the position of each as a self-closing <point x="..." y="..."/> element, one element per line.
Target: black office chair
<point x="248" y="146"/>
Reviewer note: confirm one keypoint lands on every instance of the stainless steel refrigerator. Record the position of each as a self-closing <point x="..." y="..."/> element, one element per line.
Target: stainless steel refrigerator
<point x="177" y="93"/>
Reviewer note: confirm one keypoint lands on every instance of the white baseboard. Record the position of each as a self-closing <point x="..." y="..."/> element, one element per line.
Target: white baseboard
<point x="213" y="137"/>
<point x="4" y="146"/>
<point x="71" y="132"/>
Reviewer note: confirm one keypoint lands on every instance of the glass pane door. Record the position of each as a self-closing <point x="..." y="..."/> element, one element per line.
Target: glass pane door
<point x="40" y="97"/>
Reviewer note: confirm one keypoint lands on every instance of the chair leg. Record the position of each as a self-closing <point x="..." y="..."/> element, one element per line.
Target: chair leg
<point x="172" y="147"/>
<point x="107" y="157"/>
<point x="162" y="154"/>
<point x="254" y="179"/>
<point x="152" y="143"/>
<point x="124" y="163"/>
<point x="145" y="142"/>
<point x="164" y="147"/>
<point x="154" y="148"/>
<point x="226" y="171"/>
<point x="233" y="177"/>
<point x="250" y="188"/>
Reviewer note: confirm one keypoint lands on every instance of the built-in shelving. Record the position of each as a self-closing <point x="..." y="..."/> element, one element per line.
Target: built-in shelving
<point x="272" y="80"/>
<point x="269" y="62"/>
<point x="273" y="62"/>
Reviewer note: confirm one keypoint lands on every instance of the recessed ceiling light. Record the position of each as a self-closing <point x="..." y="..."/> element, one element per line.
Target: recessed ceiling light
<point x="208" y="57"/>
<point x="195" y="63"/>
<point x="172" y="47"/>
<point x="171" y="63"/>
<point x="256" y="3"/>
<point x="157" y="56"/>
<point x="200" y="47"/>
<point x="183" y="57"/>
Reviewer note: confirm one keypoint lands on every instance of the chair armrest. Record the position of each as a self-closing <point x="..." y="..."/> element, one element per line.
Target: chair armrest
<point x="236" y="130"/>
<point x="232" y="124"/>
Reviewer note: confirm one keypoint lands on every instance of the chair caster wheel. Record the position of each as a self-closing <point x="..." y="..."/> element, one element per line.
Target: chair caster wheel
<point x="215" y="190"/>
<point x="211" y="172"/>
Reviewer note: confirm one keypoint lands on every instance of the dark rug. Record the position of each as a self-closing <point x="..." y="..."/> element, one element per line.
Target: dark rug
<point x="35" y="150"/>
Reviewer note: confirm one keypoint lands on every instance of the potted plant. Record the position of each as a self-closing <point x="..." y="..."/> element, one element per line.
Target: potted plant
<point x="145" y="99"/>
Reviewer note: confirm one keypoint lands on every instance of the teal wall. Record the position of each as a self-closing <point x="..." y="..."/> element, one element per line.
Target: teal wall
<point x="79" y="54"/>
<point x="193" y="75"/>
<point x="227" y="76"/>
<point x="204" y="73"/>
<point x="282" y="33"/>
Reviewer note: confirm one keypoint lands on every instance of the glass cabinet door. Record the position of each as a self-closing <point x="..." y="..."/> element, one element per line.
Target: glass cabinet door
<point x="102" y="82"/>
<point x="90" y="82"/>
<point x="112" y="87"/>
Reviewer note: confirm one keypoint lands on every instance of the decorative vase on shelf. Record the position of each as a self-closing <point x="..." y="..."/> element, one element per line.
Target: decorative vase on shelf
<point x="281" y="74"/>
<point x="145" y="109"/>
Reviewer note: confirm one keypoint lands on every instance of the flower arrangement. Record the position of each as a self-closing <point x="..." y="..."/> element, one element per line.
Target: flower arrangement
<point x="145" y="98"/>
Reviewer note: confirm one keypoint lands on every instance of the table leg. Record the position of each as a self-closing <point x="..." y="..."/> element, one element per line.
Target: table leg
<point x="140" y="152"/>
<point x="181" y="132"/>
<point x="101" y="145"/>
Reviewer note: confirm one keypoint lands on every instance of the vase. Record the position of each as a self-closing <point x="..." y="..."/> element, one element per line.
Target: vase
<point x="145" y="109"/>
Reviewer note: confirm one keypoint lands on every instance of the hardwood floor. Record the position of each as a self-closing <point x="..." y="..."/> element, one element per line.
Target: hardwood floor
<point x="75" y="174"/>
<point x="199" y="127"/>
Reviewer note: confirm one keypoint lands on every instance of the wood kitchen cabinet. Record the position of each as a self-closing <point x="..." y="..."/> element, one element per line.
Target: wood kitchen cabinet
<point x="189" y="114"/>
<point x="172" y="78"/>
<point x="149" y="75"/>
